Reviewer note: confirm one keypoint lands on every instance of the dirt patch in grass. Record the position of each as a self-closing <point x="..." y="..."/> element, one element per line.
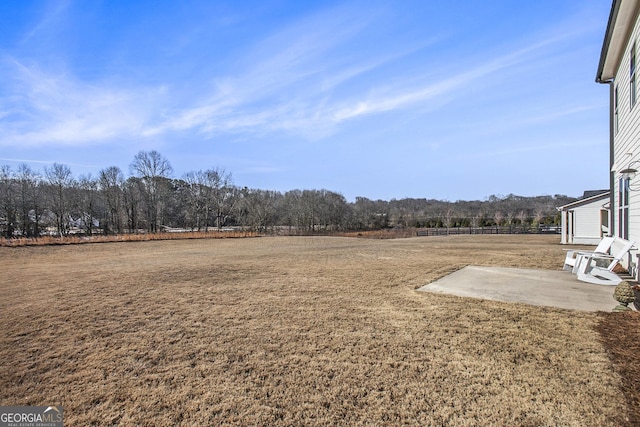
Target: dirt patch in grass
<point x="295" y="331"/>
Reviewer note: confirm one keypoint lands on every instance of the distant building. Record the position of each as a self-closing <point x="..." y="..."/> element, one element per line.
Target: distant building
<point x="618" y="67"/>
<point x="585" y="221"/>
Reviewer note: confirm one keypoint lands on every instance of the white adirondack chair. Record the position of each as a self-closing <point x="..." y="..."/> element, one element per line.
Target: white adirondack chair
<point x="570" y="261"/>
<point x="589" y="271"/>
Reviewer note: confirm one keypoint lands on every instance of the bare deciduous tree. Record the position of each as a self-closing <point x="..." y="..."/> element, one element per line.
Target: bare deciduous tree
<point x="8" y="208"/>
<point x="132" y="194"/>
<point x="30" y="203"/>
<point x="88" y="203"/>
<point x="220" y="183"/>
<point x="522" y="217"/>
<point x="153" y="170"/>
<point x="498" y="217"/>
<point x="110" y="184"/>
<point x="150" y="199"/>
<point x="60" y="181"/>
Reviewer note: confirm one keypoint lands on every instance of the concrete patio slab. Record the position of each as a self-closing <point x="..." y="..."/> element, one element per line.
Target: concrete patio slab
<point x="536" y="287"/>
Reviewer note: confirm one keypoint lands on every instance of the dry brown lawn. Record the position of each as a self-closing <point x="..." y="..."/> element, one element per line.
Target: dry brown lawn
<point x="296" y="331"/>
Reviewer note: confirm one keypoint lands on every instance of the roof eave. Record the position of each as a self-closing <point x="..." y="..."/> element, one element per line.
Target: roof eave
<point x="580" y="202"/>
<point x="619" y="27"/>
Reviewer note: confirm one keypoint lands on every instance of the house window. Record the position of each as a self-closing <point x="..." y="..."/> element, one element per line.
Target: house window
<point x="623" y="208"/>
<point x="615" y="110"/>
<point x="632" y="75"/>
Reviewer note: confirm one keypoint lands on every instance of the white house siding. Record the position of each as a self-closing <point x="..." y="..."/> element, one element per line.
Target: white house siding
<point x="587" y="228"/>
<point x="626" y="141"/>
<point x="582" y="220"/>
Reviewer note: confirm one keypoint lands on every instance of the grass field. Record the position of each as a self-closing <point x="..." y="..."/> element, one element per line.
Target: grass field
<point x="296" y="331"/>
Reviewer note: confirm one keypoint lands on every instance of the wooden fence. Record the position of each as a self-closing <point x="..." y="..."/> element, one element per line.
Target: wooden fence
<point x="444" y="231"/>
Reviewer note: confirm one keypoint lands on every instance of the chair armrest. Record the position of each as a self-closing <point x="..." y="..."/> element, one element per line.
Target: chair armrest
<point x="586" y="254"/>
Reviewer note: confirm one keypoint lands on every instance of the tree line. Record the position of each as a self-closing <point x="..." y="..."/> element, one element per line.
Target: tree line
<point x="150" y="200"/>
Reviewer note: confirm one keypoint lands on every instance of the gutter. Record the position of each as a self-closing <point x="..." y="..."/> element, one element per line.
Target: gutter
<point x="613" y="16"/>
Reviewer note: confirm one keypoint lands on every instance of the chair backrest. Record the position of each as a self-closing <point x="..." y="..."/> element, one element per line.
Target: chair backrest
<point x="621" y="247"/>
<point x="604" y="245"/>
<point x="619" y="250"/>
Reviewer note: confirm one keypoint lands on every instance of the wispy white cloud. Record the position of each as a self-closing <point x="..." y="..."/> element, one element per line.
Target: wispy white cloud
<point x="395" y="98"/>
<point x="46" y="108"/>
<point x="305" y="79"/>
<point x="299" y="79"/>
<point x="291" y="65"/>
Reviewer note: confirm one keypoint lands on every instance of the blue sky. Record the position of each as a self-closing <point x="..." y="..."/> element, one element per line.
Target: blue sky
<point x="380" y="99"/>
